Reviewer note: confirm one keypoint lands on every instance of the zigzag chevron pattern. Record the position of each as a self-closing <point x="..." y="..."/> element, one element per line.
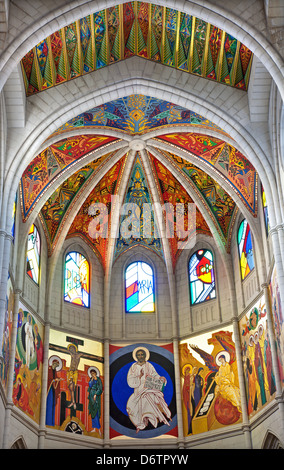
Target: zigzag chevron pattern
<point x="137" y="28"/>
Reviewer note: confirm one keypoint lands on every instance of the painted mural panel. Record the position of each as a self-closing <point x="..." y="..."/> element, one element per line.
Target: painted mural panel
<point x="74" y="400"/>
<point x="278" y="322"/>
<point x="154" y="32"/>
<point x="257" y="359"/>
<point x="6" y="342"/>
<point x="209" y="382"/>
<point x="142" y="391"/>
<point x="28" y="364"/>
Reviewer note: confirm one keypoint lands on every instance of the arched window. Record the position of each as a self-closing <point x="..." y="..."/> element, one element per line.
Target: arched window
<point x="201" y="277"/>
<point x="33" y="254"/>
<point x="265" y="210"/>
<point x="139" y="288"/>
<point x="14" y="216"/>
<point x="245" y="249"/>
<point x="77" y="279"/>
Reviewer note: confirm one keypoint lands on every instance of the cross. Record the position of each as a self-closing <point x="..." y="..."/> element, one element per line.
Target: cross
<point x="65" y="404"/>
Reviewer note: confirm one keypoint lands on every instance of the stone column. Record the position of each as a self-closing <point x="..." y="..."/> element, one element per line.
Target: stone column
<point x="246" y="427"/>
<point x="11" y="367"/>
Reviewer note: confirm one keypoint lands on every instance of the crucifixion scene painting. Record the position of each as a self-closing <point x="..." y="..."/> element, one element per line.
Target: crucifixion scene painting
<point x="74" y="399"/>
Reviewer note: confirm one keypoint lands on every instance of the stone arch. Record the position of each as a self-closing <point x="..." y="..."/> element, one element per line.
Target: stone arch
<point x="271" y="441"/>
<point x="211" y="13"/>
<point x="19" y="443"/>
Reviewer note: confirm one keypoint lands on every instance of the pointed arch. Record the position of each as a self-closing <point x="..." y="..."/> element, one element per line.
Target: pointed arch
<point x="271" y="441"/>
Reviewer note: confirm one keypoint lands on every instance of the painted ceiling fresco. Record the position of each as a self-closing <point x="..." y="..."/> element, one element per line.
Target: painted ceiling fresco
<point x="57" y="207"/>
<point x="137" y="114"/>
<point x="140" y="29"/>
<point x="226" y="159"/>
<point x="56" y="211"/>
<point x="222" y="207"/>
<point x="138" y="192"/>
<point x="171" y="191"/>
<point x="102" y="194"/>
<point x="51" y="162"/>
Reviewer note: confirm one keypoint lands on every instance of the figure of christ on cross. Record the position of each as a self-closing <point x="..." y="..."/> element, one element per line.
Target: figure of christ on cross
<point x="72" y="374"/>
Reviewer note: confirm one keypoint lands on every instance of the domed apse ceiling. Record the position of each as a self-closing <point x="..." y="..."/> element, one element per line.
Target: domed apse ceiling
<point x="154" y="32"/>
<point x="176" y="167"/>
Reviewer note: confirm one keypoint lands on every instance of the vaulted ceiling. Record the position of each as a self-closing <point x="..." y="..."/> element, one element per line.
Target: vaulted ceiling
<point x="96" y="163"/>
<point x="136" y="28"/>
<point x="181" y="156"/>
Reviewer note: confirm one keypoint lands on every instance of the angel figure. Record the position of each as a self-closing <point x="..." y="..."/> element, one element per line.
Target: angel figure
<point x="221" y="370"/>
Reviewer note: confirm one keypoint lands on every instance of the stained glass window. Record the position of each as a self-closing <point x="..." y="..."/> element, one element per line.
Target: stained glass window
<point x="33" y="254"/>
<point x="265" y="210"/>
<point x="245" y="249"/>
<point x="139" y="288"/>
<point x="77" y="279"/>
<point x="201" y="277"/>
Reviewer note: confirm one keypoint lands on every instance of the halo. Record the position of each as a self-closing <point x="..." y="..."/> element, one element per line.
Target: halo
<point x="55" y="358"/>
<point x="222" y="353"/>
<point x="95" y="369"/>
<point x="143" y="349"/>
<point x="186" y="366"/>
<point x="19" y="376"/>
<point x="254" y="311"/>
<point x="251" y="340"/>
<point x="72" y="344"/>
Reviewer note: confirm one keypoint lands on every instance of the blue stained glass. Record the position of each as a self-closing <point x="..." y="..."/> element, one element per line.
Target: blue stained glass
<point x="139" y="288"/>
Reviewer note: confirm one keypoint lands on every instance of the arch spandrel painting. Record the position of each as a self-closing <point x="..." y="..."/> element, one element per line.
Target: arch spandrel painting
<point x="257" y="358"/>
<point x="209" y="382"/>
<point x="74" y="396"/>
<point x="6" y="341"/>
<point x="27" y="386"/>
<point x="278" y="322"/>
<point x="142" y="391"/>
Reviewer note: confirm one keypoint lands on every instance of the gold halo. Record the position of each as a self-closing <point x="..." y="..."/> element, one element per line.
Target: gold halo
<point x="186" y="366"/>
<point x="143" y="349"/>
<point x="71" y="344"/>
<point x="222" y="353"/>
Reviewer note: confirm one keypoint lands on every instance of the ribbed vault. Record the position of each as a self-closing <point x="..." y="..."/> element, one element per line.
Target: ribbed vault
<point x="76" y="173"/>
